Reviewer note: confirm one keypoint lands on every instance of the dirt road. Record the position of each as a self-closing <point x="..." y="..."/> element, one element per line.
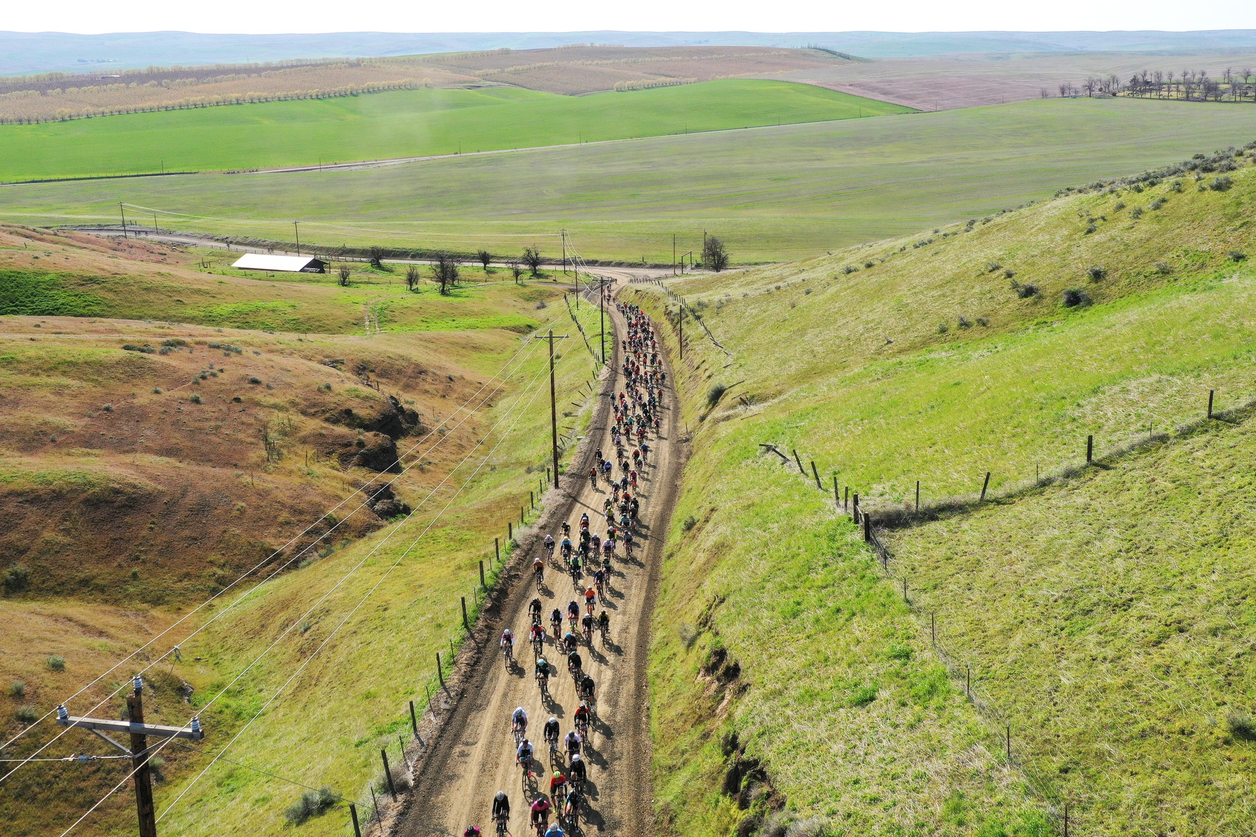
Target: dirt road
<point x="474" y="756"/>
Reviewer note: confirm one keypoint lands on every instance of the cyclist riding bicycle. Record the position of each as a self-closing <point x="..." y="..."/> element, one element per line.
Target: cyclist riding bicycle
<point x="586" y="688"/>
<point x="537" y="634"/>
<point x="472" y="831"/>
<point x="551" y="731"/>
<point x="603" y="622"/>
<point x="573" y="610"/>
<point x="523" y="755"/>
<point x="566" y="528"/>
<point x="556" y="621"/>
<point x="558" y="786"/>
<point x="577" y="771"/>
<point x="590" y="599"/>
<point x="534" y="610"/>
<point x="573" y="742"/>
<point x="508" y="643"/>
<point x="554" y="830"/>
<point x="586" y="622"/>
<point x="519" y="721"/>
<point x="583" y="716"/>
<point x="549" y="544"/>
<point x="574" y="663"/>
<point x="540" y="810"/>
<point x="501" y="806"/>
<point x="574" y="800"/>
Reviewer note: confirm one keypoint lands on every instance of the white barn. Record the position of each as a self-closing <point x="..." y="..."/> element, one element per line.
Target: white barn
<point x="281" y="264"/>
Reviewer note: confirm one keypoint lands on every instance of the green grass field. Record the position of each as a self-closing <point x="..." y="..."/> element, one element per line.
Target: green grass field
<point x="770" y="194"/>
<point x="922" y="362"/>
<point x="406" y="123"/>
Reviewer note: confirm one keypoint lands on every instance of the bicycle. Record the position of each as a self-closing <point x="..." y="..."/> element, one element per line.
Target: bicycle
<point x="588" y="635"/>
<point x="538" y="646"/>
<point x="542" y="682"/>
<point x="539" y="572"/>
<point x="508" y="655"/>
<point x="501" y="825"/>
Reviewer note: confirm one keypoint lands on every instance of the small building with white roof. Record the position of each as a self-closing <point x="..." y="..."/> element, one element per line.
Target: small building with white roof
<point x="281" y="264"/>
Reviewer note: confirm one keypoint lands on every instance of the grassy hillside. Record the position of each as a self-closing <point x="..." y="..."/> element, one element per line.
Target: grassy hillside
<point x="916" y="358"/>
<point x="775" y="193"/>
<point x="404" y="123"/>
<point x="136" y="481"/>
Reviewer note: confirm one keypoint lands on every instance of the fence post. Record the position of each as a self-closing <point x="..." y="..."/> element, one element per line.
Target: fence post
<point x="801" y="470"/>
<point x="846" y="502"/>
<point x="532" y="499"/>
<point x="917" y="496"/>
<point x="968" y="679"/>
<point x="854" y="508"/>
<point x="1090" y="449"/>
<point x="548" y="478"/>
<point x="867" y="526"/>
<point x="497" y="550"/>
<point x="465" y="623"/>
<point x="440" y="675"/>
<point x="1210" y="395"/>
<point x="1009" y="742"/>
<point x="414" y="721"/>
<point x="984" y="486"/>
<point x="837" y="497"/>
<point x="522" y="511"/>
<point x="816" y="474"/>
<point x="510" y="530"/>
<point x="392" y="789"/>
<point x="482" y="583"/>
<point x="357" y="829"/>
<point x="933" y="627"/>
<point x="1066" y="818"/>
<point x="905" y="590"/>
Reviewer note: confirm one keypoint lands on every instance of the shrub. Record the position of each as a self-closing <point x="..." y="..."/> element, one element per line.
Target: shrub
<point x="689" y="523"/>
<point x="253" y="379"/>
<point x="1090" y="228"/>
<point x="1119" y="206"/>
<point x="1237" y="255"/>
<point x="1221" y="184"/>
<point x="869" y="264"/>
<point x="1241" y="726"/>
<point x="1164" y="268"/>
<point x="1136" y="212"/>
<point x="108" y="408"/>
<point x="157" y="390"/>
<point x="15" y="579"/>
<point x="26" y="714"/>
<point x="964" y="322"/>
<point x="1175" y="186"/>
<point x="1026" y="290"/>
<point x="983" y="322"/>
<point x="145" y="349"/>
<point x="991" y="267"/>
<point x="1096" y="272"/>
<point x="1009" y="274"/>
<point x="56" y="662"/>
<point x="863" y="696"/>
<point x="688" y="634"/>
<point x="1157" y="203"/>
<point x="17" y="688"/>
<point x="1138" y="187"/>
<point x="1074" y="297"/>
<point x="195" y="398"/>
<point x="943" y="328"/>
<point x="311" y="804"/>
<point x="849" y="269"/>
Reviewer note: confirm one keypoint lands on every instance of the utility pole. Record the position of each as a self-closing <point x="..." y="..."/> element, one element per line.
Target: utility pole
<point x="138" y="751"/>
<point x="601" y="304"/>
<point x="673" y="254"/>
<point x="298" y="235"/>
<point x="564" y="234"/>
<point x="123" y="211"/>
<point x="553" y="400"/>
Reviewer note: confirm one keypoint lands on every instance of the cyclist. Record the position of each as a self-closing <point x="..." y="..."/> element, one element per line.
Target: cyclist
<point x="519" y="723"/>
<point x="577" y="771"/>
<point x="556" y="622"/>
<point x="574" y="800"/>
<point x="590" y="598"/>
<point x="537" y="635"/>
<point x="603" y="623"/>
<point x="584" y="520"/>
<point x="586" y="688"/>
<point x="584" y="716"/>
<point x="472" y="831"/>
<point x="523" y="755"/>
<point x="549" y="545"/>
<point x="508" y="643"/>
<point x="573" y="742"/>
<point x="593" y="476"/>
<point x="566" y="548"/>
<point x="534" y="610"/>
<point x="501" y="808"/>
<point x="540" y="812"/>
<point x="554" y="830"/>
<point x="538" y="569"/>
<point x="558" y="786"/>
<point x="552" y="732"/>
<point x="573" y="613"/>
<point x="586" y="622"/>
<point x="566" y="528"/>
<point x="574" y="664"/>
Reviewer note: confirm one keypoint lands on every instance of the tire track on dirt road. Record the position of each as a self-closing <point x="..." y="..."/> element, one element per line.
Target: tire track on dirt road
<point x="473" y="756"/>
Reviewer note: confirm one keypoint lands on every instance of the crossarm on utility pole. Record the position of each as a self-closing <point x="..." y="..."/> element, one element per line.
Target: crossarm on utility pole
<point x="106" y="725"/>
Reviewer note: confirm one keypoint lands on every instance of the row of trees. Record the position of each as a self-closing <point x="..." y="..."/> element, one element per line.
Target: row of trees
<point x="1188" y="85"/>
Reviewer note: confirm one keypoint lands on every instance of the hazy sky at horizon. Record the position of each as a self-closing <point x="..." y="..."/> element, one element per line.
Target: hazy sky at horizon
<point x="307" y="16"/>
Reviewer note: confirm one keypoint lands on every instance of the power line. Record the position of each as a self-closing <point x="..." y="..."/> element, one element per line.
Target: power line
<point x="428" y="435"/>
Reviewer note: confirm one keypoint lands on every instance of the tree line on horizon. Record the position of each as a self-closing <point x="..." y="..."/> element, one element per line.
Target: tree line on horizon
<point x="1182" y="85"/>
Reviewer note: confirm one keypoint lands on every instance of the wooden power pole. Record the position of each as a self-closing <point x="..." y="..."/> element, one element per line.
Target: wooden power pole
<point x="553" y="400"/>
<point x="602" y="306"/>
<point x="138" y="751"/>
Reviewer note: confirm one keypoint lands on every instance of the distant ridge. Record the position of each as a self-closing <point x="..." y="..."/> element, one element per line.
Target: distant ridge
<point x="23" y="52"/>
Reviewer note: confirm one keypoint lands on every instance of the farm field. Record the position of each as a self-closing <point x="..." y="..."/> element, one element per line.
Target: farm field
<point x="769" y="194"/>
<point x="940" y="357"/>
<point x="183" y="454"/>
<point x="403" y="123"/>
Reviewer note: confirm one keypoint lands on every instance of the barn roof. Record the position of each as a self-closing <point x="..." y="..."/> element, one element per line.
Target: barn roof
<point x="291" y="264"/>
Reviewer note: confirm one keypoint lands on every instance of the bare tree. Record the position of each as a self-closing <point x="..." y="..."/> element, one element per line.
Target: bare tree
<point x="444" y="272"/>
<point x="516" y="269"/>
<point x="412" y="277"/>
<point x="1044" y="93"/>
<point x="377" y="255"/>
<point x="1065" y="88"/>
<point x="343" y="273"/>
<point x="532" y="258"/>
<point x="1090" y="85"/>
<point x="714" y="255"/>
<point x="485" y="258"/>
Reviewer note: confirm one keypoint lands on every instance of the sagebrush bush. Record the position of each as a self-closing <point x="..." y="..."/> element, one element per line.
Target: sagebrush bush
<point x="1164" y="268"/>
<point x="56" y="662"/>
<point x="253" y="379"/>
<point x="311" y="804"/>
<point x="1136" y="212"/>
<point x="1026" y="290"/>
<point x="195" y="398"/>
<point x="17" y="688"/>
<point x="1074" y="297"/>
<point x="1096" y="272"/>
<point x="715" y="394"/>
<point x="16" y="577"/>
<point x="1221" y="184"/>
<point x="26" y="714"/>
<point x="689" y="523"/>
<point x="1241" y="726"/>
<point x="1237" y="255"/>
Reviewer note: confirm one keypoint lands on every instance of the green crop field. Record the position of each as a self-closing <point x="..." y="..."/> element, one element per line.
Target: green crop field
<point x="1111" y="636"/>
<point x="406" y="123"/>
<point x="771" y="193"/>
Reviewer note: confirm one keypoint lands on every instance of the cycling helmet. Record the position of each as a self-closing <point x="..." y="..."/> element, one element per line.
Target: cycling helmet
<point x="501" y="795"/>
<point x="472" y="831"/>
<point x="575" y="758"/>
<point x="553" y="720"/>
<point x="558" y="774"/>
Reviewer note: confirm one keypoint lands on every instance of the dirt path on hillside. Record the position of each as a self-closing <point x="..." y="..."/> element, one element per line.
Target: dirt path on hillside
<point x="473" y="757"/>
